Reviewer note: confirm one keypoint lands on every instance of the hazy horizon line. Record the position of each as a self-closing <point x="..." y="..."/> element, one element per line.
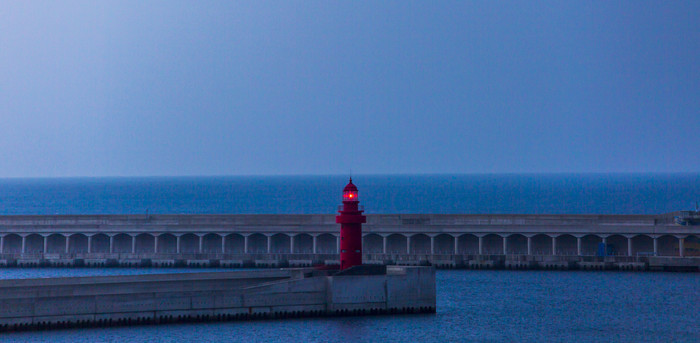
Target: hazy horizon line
<point x="340" y="174"/>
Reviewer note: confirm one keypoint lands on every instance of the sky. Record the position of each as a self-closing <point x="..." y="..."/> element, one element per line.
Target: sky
<point x="170" y="88"/>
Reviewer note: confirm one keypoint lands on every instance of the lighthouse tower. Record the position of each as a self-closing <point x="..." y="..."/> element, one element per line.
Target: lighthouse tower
<point x="350" y="220"/>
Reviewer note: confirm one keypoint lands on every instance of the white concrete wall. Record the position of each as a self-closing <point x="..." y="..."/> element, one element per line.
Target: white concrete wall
<point x="36" y="303"/>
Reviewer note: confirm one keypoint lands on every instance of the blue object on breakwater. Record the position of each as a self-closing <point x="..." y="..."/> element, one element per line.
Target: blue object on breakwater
<point x="605" y="250"/>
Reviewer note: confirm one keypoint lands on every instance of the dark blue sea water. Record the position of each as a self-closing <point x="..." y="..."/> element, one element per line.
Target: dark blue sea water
<point x="528" y="193"/>
<point x="484" y="306"/>
<point x="490" y="306"/>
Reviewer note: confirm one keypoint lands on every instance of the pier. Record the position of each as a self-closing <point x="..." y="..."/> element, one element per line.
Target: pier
<point x="213" y="296"/>
<point x="638" y="242"/>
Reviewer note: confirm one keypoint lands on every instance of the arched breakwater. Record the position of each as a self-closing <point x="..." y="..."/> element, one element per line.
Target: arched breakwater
<point x="628" y="242"/>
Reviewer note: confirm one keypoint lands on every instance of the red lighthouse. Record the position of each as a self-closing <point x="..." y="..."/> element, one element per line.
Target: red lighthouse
<point x="350" y="220"/>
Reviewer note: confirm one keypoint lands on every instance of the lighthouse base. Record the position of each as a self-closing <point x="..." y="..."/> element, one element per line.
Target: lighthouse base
<point x="382" y="289"/>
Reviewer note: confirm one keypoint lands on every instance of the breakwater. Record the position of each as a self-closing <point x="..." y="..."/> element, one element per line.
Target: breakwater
<point x="215" y="296"/>
<point x="445" y="240"/>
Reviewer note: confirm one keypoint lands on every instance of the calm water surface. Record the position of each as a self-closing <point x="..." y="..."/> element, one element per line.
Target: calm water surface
<point x="500" y="193"/>
<point x="494" y="306"/>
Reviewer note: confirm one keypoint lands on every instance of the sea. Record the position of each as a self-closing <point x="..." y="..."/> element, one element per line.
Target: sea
<point x="472" y="305"/>
<point x="477" y="193"/>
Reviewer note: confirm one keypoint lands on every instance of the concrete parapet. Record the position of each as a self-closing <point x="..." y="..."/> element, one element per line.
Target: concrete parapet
<point x="232" y="263"/>
<point x="592" y="265"/>
<point x="300" y="263"/>
<point x="480" y="264"/>
<point x="556" y="265"/>
<point x="266" y="263"/>
<point x="445" y="264"/>
<point x="29" y="263"/>
<point x="198" y="263"/>
<point x="162" y="263"/>
<point x="636" y="266"/>
<point x="520" y="265"/>
<point x="674" y="264"/>
<point x="377" y="262"/>
<point x="129" y="262"/>
<point x="302" y="260"/>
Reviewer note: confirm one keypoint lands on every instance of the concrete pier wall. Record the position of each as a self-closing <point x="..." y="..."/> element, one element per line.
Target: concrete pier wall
<point x="495" y="261"/>
<point x="299" y="240"/>
<point x="161" y="298"/>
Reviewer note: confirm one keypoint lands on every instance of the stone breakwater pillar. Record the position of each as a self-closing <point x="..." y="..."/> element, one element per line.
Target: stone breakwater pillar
<point x="350" y="220"/>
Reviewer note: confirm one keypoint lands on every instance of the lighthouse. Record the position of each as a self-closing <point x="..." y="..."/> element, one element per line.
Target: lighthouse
<point x="350" y="220"/>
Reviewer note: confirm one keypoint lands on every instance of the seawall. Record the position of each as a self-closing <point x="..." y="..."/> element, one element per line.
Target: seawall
<point x="162" y="298"/>
<point x="653" y="242"/>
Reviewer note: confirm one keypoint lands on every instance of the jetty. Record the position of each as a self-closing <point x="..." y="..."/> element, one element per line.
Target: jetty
<point x="557" y="241"/>
<point x="47" y="303"/>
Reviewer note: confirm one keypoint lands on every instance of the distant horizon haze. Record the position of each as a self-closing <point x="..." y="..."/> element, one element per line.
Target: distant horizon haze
<point x="357" y="177"/>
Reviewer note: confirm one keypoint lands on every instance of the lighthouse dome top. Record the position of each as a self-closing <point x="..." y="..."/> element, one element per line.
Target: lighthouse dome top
<point x="350" y="187"/>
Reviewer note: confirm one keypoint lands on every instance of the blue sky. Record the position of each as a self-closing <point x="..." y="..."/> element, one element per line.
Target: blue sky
<point x="128" y="88"/>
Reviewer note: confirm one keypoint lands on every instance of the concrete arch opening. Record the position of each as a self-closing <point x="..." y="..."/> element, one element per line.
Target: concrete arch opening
<point x="468" y="244"/>
<point x="326" y="244"/>
<point x="77" y="244"/>
<point x="420" y="244"/>
<point x="667" y="245"/>
<point x="617" y="245"/>
<point x="396" y="244"/>
<point x="280" y="243"/>
<point x="211" y="243"/>
<point x="167" y="244"/>
<point x="235" y="244"/>
<point x="566" y="245"/>
<point x="34" y="244"/>
<point x="516" y="244"/>
<point x="257" y="243"/>
<point x="642" y="245"/>
<point x="492" y="244"/>
<point x="189" y="243"/>
<point x="372" y="244"/>
<point x="56" y="244"/>
<point x="99" y="243"/>
<point x="145" y="243"/>
<point x="12" y="244"/>
<point x="122" y="243"/>
<point x="444" y="244"/>
<point x="541" y="245"/>
<point x="589" y="245"/>
<point x="303" y="244"/>
<point x="691" y="246"/>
